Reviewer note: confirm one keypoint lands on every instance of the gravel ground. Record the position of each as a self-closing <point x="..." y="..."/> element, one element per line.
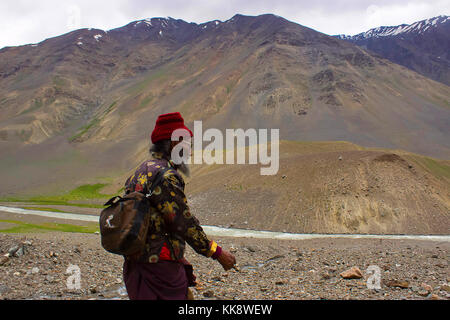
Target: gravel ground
<point x="267" y="269"/>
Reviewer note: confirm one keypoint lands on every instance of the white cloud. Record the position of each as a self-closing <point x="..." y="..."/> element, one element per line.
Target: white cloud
<point x="388" y="15"/>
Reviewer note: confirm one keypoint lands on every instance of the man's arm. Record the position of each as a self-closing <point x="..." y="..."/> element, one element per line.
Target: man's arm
<point x="170" y="199"/>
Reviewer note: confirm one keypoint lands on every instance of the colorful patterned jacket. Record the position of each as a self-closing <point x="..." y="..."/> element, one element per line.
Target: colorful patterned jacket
<point x="172" y="223"/>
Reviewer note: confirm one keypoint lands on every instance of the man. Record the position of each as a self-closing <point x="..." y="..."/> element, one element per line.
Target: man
<point x="161" y="272"/>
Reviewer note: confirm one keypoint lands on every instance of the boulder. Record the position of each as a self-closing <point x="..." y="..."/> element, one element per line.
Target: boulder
<point x="397" y="283"/>
<point x="353" y="273"/>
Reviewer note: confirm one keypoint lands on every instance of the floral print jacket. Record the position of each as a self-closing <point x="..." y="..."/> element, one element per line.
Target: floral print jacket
<point x="171" y="220"/>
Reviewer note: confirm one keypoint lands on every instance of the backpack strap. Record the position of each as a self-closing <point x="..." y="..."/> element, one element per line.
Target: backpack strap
<point x="157" y="180"/>
<point x="120" y="199"/>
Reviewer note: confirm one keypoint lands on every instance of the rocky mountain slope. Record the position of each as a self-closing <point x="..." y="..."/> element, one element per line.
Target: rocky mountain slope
<point x="264" y="72"/>
<point x="423" y="46"/>
<point x="327" y="188"/>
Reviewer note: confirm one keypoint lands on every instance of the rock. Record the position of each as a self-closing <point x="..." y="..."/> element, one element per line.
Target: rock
<point x="20" y="252"/>
<point x="433" y="297"/>
<point x="426" y="287"/>
<point x="279" y="256"/>
<point x="13" y="250"/>
<point x="353" y="273"/>
<point x="4" y="259"/>
<point x="3" y="289"/>
<point x="397" y="283"/>
<point x="445" y="287"/>
<point x="326" y="275"/>
<point x="340" y="158"/>
<point x="35" y="270"/>
<point x="208" y="294"/>
<point x="283" y="176"/>
<point x="250" y="249"/>
<point x="423" y="293"/>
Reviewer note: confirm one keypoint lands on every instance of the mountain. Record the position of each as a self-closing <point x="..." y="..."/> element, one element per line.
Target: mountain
<point x="328" y="187"/>
<point x="423" y="46"/>
<point x="79" y="108"/>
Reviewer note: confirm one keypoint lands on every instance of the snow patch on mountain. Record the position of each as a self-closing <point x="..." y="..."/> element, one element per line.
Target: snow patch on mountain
<point x="418" y="27"/>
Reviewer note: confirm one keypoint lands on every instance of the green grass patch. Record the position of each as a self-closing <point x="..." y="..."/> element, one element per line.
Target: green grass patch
<point x="110" y="107"/>
<point x="51" y="202"/>
<point x="84" y="129"/>
<point x="43" y="209"/>
<point x="35" y="104"/>
<point x="161" y="75"/>
<point x="81" y="131"/>
<point x="436" y="168"/>
<point x="82" y="193"/>
<point x="24" y="227"/>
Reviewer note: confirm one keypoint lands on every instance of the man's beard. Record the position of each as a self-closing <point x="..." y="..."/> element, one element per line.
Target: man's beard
<point x="184" y="169"/>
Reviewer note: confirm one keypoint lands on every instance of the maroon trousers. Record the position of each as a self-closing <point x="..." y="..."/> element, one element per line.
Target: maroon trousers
<point x="164" y="280"/>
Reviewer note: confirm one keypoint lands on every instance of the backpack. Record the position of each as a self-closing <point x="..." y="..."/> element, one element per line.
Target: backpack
<point x="124" y="223"/>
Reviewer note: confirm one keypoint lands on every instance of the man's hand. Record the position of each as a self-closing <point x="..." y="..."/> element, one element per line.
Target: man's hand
<point x="227" y="260"/>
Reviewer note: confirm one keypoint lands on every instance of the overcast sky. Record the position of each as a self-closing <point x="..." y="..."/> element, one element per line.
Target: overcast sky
<point x="31" y="21"/>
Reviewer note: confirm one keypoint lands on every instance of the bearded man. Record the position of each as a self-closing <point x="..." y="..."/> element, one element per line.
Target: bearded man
<point x="161" y="271"/>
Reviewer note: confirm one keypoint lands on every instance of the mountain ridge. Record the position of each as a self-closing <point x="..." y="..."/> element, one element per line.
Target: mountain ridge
<point x="422" y="46"/>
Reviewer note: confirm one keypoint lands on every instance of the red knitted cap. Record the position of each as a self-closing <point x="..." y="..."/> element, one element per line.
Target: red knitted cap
<point x="166" y="124"/>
